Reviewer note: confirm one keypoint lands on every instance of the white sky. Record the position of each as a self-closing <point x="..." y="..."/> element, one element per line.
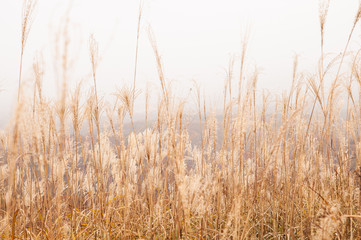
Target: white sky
<point x="195" y="38"/>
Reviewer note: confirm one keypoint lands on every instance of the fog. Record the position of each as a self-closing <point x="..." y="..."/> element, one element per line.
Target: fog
<point x="196" y="40"/>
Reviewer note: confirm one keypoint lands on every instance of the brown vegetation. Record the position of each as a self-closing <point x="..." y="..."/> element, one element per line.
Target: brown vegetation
<point x="281" y="171"/>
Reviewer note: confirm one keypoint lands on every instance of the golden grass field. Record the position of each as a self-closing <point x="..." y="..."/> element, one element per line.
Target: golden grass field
<point x="286" y="170"/>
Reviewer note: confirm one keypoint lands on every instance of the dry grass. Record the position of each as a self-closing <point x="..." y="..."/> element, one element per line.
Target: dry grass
<point x="27" y="19"/>
<point x="277" y="171"/>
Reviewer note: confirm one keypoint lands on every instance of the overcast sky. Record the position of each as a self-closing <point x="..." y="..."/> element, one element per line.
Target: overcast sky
<point x="196" y="39"/>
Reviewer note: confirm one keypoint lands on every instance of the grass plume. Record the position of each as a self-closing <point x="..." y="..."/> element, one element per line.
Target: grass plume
<point x="267" y="166"/>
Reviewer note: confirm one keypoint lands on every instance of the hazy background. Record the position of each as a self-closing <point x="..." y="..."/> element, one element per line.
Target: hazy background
<point x="196" y="39"/>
